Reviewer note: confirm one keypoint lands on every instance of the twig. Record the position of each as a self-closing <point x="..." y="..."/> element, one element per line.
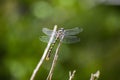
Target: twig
<point x="71" y="75"/>
<point x="95" y="76"/>
<point x="44" y="55"/>
<point x="54" y="60"/>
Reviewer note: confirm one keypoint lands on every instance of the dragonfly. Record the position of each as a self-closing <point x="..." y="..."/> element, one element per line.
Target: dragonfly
<point x="69" y="37"/>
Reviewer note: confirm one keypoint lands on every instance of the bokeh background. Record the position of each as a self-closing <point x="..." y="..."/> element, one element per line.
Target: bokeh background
<point x="21" y="23"/>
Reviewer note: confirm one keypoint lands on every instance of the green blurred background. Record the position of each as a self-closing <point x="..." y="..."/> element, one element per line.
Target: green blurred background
<point x="21" y="23"/>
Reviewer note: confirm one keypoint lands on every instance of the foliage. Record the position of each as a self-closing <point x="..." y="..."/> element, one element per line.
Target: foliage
<point x="21" y="23"/>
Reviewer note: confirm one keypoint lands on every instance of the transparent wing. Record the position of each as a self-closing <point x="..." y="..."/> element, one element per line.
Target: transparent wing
<point x="67" y="39"/>
<point x="45" y="39"/>
<point x="73" y="31"/>
<point x="47" y="31"/>
<point x="71" y="39"/>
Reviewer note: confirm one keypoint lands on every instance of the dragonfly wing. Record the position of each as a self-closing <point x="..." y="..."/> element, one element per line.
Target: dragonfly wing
<point x="45" y="39"/>
<point x="47" y="31"/>
<point x="73" y="31"/>
<point x="71" y="39"/>
<point x="67" y="39"/>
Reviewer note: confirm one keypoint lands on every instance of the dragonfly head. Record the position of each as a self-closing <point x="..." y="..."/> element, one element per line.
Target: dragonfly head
<point x="61" y="30"/>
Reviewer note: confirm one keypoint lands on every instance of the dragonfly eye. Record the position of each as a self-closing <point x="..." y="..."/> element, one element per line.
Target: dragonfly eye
<point x="61" y="30"/>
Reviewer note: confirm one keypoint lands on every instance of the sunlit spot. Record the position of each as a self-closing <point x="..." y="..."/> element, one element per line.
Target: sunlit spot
<point x="42" y="9"/>
<point x="112" y="22"/>
<point x="88" y="4"/>
<point x="17" y="69"/>
<point x="67" y="2"/>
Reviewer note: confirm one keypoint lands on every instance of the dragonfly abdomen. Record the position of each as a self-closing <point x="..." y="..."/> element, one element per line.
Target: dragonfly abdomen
<point x="51" y="48"/>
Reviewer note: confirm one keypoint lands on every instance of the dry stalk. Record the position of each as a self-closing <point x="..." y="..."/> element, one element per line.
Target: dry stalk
<point x="95" y="76"/>
<point x="54" y="60"/>
<point x="71" y="75"/>
<point x="44" y="55"/>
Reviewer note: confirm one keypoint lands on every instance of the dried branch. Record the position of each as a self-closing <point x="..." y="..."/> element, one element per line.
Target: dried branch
<point x="54" y="60"/>
<point x="71" y="75"/>
<point x="44" y="55"/>
<point x="95" y="76"/>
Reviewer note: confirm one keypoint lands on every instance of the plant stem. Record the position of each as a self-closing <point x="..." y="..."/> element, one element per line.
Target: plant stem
<point x="54" y="60"/>
<point x="44" y="55"/>
<point x="71" y="75"/>
<point x="95" y="76"/>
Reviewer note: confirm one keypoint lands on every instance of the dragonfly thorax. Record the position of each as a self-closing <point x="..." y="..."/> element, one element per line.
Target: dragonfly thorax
<point x="61" y="31"/>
